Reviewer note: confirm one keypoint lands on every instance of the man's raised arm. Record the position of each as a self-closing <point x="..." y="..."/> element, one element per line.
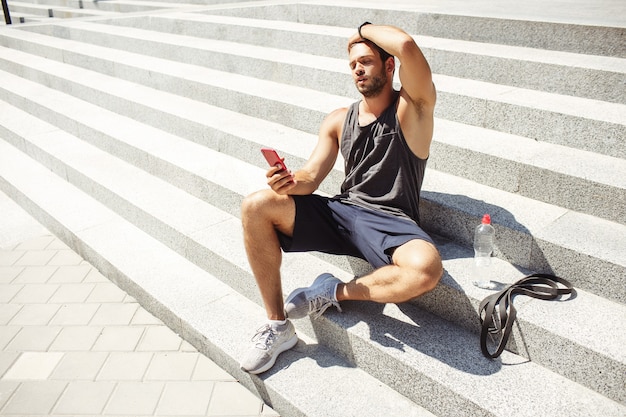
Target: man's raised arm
<point x="415" y="74"/>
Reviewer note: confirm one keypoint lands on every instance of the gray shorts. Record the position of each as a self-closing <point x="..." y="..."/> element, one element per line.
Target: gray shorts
<point x="332" y="226"/>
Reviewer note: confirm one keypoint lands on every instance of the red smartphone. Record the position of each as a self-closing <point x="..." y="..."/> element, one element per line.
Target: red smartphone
<point x="273" y="159"/>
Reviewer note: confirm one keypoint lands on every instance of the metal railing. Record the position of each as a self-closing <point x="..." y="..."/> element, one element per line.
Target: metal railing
<point x="5" y="9"/>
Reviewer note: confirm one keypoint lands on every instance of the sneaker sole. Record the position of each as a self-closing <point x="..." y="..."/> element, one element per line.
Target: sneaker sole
<point x="297" y="291"/>
<point x="290" y="299"/>
<point x="284" y="347"/>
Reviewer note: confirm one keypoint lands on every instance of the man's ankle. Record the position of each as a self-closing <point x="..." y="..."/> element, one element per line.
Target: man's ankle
<point x="339" y="292"/>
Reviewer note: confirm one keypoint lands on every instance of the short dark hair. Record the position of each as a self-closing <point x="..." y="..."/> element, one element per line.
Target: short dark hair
<point x="384" y="55"/>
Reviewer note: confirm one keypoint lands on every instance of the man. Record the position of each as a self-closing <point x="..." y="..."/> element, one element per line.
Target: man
<point x="385" y="140"/>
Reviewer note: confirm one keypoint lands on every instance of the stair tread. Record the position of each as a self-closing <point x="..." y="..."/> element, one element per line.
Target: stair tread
<point x="563" y="104"/>
<point x="596" y="62"/>
<point x="192" y="216"/>
<point x="523" y="210"/>
<point x="209" y="297"/>
<point x="569" y="161"/>
<point x="45" y="7"/>
<point x="486" y="100"/>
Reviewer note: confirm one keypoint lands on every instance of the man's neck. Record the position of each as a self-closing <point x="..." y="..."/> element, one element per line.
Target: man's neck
<point x="372" y="107"/>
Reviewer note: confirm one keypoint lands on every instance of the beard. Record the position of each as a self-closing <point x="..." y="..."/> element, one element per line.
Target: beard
<point x="375" y="85"/>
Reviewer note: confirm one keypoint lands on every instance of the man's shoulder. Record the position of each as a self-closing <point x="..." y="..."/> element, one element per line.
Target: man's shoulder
<point x="339" y="113"/>
<point x="337" y="117"/>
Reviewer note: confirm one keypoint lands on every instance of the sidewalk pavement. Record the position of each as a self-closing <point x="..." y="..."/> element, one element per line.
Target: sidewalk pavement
<point x="73" y="343"/>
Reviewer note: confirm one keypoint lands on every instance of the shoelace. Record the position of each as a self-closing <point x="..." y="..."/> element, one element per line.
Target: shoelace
<point x="321" y="304"/>
<point x="264" y="337"/>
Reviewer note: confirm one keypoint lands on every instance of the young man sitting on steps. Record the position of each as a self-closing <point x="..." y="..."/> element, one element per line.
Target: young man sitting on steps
<point x="385" y="140"/>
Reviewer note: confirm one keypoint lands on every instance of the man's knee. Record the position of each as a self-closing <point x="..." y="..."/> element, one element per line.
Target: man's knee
<point x="265" y="206"/>
<point x="423" y="261"/>
<point x="432" y="271"/>
<point x="253" y="204"/>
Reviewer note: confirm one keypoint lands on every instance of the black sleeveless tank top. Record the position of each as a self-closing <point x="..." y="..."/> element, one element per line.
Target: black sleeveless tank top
<point x="382" y="172"/>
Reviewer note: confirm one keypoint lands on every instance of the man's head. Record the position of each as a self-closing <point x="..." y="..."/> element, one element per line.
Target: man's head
<point x="384" y="55"/>
<point x="372" y="67"/>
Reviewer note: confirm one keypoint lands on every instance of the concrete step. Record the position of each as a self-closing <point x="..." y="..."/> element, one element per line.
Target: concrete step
<point x="458" y="158"/>
<point x="94" y="8"/>
<point x="144" y="201"/>
<point x="59" y="12"/>
<point x="566" y="73"/>
<point x="184" y="296"/>
<point x="123" y="6"/>
<point x="584" y="123"/>
<point x="539" y="173"/>
<point x="543" y="243"/>
<point x="18" y="18"/>
<point x="132" y="117"/>
<point x="406" y="340"/>
<point x="466" y="24"/>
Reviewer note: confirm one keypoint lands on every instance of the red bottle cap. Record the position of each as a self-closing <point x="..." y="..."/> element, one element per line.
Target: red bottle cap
<point x="486" y="219"/>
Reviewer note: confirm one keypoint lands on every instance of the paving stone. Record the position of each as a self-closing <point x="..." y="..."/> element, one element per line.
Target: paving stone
<point x="35" y="293"/>
<point x="8" y="291"/>
<point x="72" y="273"/>
<point x="7" y="334"/>
<point x="34" y="315"/>
<point x="116" y="338"/>
<point x="95" y="276"/>
<point x="125" y="366"/>
<point x="159" y="338"/>
<point x="76" y="338"/>
<point x="33" y="339"/>
<point x="6" y="361"/>
<point x="143" y="317"/>
<point x="65" y="257"/>
<point x="56" y="244"/>
<point x="207" y="370"/>
<point x="46" y="393"/>
<point x="9" y="273"/>
<point x="38" y="243"/>
<point x="186" y="398"/>
<point x="187" y="347"/>
<point x="8" y="258"/>
<point x="172" y="366"/>
<point x="112" y="314"/>
<point x="35" y="274"/>
<point x="84" y="397"/>
<point x="36" y="257"/>
<point x="7" y="312"/>
<point x="106" y="292"/>
<point x="7" y="388"/>
<point x="135" y="398"/>
<point x="75" y="314"/>
<point x="230" y="398"/>
<point x="79" y="366"/>
<point x="72" y="293"/>
<point x="33" y="365"/>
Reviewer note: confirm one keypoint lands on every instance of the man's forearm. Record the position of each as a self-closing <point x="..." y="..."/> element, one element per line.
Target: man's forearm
<point x="390" y="38"/>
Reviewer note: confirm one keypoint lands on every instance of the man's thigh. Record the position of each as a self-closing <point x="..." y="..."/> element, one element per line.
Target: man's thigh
<point x="321" y="225"/>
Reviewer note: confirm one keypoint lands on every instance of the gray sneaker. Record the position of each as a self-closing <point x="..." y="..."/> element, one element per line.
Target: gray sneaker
<point x="269" y="342"/>
<point x="314" y="299"/>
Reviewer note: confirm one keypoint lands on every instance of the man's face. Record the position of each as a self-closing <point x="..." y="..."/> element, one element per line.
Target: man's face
<point x="368" y="70"/>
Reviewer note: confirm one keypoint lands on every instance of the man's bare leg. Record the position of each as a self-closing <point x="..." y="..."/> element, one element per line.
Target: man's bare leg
<point x="262" y="213"/>
<point x="416" y="269"/>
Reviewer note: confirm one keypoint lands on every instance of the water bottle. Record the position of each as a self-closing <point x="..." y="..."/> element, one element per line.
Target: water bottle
<point x="483" y="248"/>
